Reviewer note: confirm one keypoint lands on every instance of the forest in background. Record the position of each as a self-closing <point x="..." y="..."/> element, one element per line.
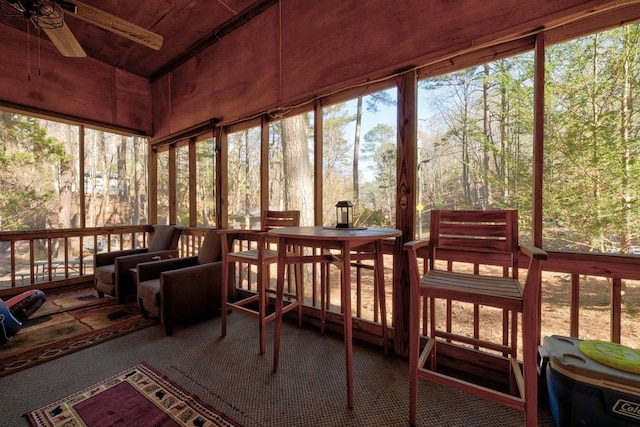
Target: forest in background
<point x="475" y="152"/>
<point x="41" y="178"/>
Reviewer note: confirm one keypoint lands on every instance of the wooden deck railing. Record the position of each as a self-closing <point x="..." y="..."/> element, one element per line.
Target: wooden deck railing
<point x="615" y="272"/>
<point x="47" y="259"/>
<point x="606" y="275"/>
<point x="51" y="258"/>
<point x="54" y="258"/>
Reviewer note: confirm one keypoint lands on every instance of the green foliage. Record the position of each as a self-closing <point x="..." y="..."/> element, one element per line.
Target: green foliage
<point x="592" y="140"/>
<point x="369" y="217"/>
<point x="27" y="156"/>
<point x="482" y="157"/>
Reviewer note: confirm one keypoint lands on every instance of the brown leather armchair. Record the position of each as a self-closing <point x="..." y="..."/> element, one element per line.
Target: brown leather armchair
<point x="182" y="289"/>
<point x="113" y="275"/>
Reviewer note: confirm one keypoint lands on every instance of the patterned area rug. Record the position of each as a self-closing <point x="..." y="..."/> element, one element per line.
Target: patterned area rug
<point x="139" y="396"/>
<point x="66" y="323"/>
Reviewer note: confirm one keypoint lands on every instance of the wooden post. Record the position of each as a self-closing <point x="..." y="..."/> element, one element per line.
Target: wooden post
<point x="172" y="185"/>
<point x="222" y="183"/>
<point x="318" y="159"/>
<point x="193" y="185"/>
<point x="152" y="193"/>
<point x="405" y="205"/>
<point x="538" y="149"/>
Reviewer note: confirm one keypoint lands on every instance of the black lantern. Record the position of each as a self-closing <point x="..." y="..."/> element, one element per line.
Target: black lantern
<point x="344" y="214"/>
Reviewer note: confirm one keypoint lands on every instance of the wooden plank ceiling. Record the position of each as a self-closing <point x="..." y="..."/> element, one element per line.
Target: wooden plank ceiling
<point x="187" y="27"/>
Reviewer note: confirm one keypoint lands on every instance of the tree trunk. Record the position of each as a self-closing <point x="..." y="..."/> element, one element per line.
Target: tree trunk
<point x="298" y="176"/>
<point x="356" y="154"/>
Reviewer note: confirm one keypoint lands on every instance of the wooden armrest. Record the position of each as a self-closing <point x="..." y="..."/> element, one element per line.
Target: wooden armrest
<point x="153" y="269"/>
<point x="415" y="245"/>
<point x="124" y="263"/>
<point x="534" y="252"/>
<point x="239" y="234"/>
<point x="107" y="258"/>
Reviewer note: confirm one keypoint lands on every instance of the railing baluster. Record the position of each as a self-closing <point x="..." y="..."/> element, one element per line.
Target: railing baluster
<point x="574" y="321"/>
<point x="31" y="261"/>
<point x="616" y="309"/>
<point x="13" y="264"/>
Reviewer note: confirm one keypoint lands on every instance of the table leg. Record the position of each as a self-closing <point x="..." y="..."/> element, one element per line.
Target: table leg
<point x="345" y="290"/>
<point x="279" y="304"/>
<point x="379" y="280"/>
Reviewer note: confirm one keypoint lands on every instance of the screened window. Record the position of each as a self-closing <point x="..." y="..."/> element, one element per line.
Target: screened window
<point x="205" y="182"/>
<point x="115" y="179"/>
<point x="43" y="176"/>
<point x="359" y="158"/>
<point x="182" y="184"/>
<point x="591" y="162"/>
<point x="475" y="133"/>
<point x="291" y="166"/>
<point x="163" y="188"/>
<point x="244" y="178"/>
<point x="39" y="173"/>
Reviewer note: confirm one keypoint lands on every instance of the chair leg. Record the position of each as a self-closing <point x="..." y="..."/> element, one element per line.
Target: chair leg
<point x="144" y="312"/>
<point x="432" y="334"/>
<point x="530" y="341"/>
<point x="530" y="381"/>
<point x="414" y="351"/>
<point x="263" y="273"/>
<point x="324" y="285"/>
<point x="168" y="329"/>
<point x="299" y="291"/>
<point x="378" y="283"/>
<point x="224" y="297"/>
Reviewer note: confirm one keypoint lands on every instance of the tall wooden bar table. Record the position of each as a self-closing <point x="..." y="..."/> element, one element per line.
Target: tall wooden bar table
<point x="344" y="240"/>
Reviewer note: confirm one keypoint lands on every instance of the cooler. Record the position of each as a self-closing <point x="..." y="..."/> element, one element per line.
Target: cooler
<point x="583" y="392"/>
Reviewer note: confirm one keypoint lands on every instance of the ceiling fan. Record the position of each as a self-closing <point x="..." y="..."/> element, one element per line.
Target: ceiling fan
<point x="49" y="16"/>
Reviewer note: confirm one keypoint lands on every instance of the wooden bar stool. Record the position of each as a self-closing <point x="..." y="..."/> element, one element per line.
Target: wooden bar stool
<point x="475" y="238"/>
<point x="358" y="257"/>
<point x="262" y="255"/>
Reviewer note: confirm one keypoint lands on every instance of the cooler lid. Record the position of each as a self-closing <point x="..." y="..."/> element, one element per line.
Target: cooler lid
<point x="566" y="357"/>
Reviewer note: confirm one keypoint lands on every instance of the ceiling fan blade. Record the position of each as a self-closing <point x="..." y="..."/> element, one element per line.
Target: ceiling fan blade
<point x="64" y="40"/>
<point x="114" y="24"/>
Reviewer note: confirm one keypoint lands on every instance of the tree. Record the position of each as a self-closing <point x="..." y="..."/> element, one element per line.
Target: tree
<point x="336" y="173"/>
<point x="381" y="148"/>
<point x="244" y="174"/>
<point x="373" y="102"/>
<point x="28" y="162"/>
<point x="593" y="135"/>
<point x="298" y="169"/>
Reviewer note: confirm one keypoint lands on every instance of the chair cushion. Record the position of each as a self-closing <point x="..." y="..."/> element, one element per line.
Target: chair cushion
<point x="149" y="290"/>
<point x="164" y="238"/>
<point x="211" y="250"/>
<point x="105" y="274"/>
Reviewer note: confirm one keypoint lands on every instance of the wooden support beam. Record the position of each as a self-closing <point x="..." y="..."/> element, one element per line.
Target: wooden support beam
<point x="318" y="161"/>
<point x="172" y="185"/>
<point x="152" y="193"/>
<point x="193" y="184"/>
<point x="405" y="204"/>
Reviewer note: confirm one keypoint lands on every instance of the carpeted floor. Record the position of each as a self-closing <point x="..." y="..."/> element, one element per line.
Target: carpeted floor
<point x="137" y="396"/>
<point x="67" y="322"/>
<point x="230" y="375"/>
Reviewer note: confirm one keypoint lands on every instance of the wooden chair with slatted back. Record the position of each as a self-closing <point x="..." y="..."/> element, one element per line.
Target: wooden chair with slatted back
<point x="486" y="242"/>
<point x="262" y="254"/>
